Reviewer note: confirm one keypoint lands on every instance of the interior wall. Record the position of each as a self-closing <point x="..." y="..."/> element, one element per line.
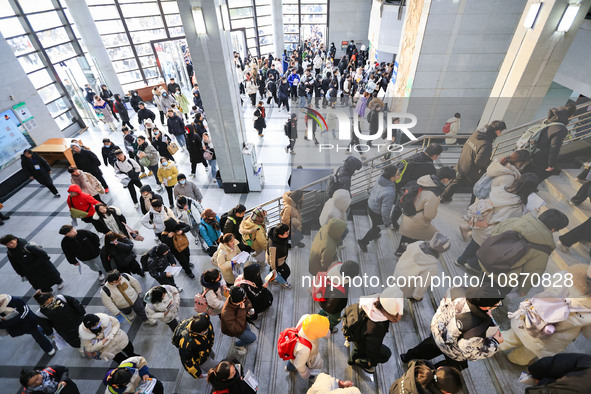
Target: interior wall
<point x="348" y="20"/>
<point x="574" y="69"/>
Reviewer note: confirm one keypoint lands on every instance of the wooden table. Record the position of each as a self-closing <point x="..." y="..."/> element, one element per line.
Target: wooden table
<point x="55" y="149"/>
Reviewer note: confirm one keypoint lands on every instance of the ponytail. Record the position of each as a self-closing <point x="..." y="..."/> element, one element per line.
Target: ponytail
<point x="423" y="375"/>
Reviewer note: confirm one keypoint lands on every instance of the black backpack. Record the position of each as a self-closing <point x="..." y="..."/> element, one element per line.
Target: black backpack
<point x="334" y="184"/>
<point x="144" y="260"/>
<point x="286" y="128"/>
<point x="353" y="320"/>
<point x="106" y="289"/>
<point x="223" y="221"/>
<point x="408" y="196"/>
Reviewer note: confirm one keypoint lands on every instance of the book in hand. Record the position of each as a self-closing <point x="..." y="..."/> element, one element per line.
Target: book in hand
<point x="270" y="276"/>
<point x="241" y="258"/>
<point x="174" y="271"/>
<point x="251" y="380"/>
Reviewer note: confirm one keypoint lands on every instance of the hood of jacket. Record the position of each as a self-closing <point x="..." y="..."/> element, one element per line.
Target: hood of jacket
<point x="351" y="165"/>
<point x="557" y="115"/>
<point x="342" y="199"/>
<point x="385" y="182"/>
<point x="485" y="133"/>
<point x="75" y="189"/>
<point x="276" y="238"/>
<point x="530" y="227"/>
<point x="420" y="157"/>
<point x="497" y="169"/>
<point x="248" y="226"/>
<point x="171" y="225"/>
<point x="428" y="181"/>
<point x="85" y="333"/>
<point x="96" y="216"/>
<point x="287" y="200"/>
<point x="335" y="228"/>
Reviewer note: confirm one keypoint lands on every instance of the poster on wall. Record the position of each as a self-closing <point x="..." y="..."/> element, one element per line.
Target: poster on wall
<point x="14" y="139"/>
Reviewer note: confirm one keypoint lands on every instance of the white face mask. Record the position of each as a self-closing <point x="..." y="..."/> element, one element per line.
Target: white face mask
<point x="182" y="182"/>
<point x="164" y="163"/>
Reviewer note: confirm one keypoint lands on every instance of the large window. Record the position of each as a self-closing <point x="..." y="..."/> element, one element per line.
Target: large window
<point x="254" y="16"/>
<point x="304" y="20"/>
<point x="129" y="28"/>
<point x="41" y="37"/>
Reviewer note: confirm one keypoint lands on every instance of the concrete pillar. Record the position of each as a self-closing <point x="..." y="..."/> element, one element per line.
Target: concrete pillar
<point x="533" y="58"/>
<point x="212" y="55"/>
<point x="277" y="12"/>
<point x="93" y="42"/>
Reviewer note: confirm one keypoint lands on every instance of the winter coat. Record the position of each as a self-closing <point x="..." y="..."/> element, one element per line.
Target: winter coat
<point x="166" y="102"/>
<point x="533" y="230"/>
<point x="190" y="217"/>
<point x="112" y="296"/>
<point x="372" y="335"/>
<point x="84" y="246"/>
<point x="155" y="220"/>
<point x="138" y="366"/>
<point x="292" y="129"/>
<point x="29" y="260"/>
<point x="178" y="243"/>
<point x="118" y="256"/>
<point x="55" y="374"/>
<point x="290" y="214"/>
<point x="161" y="145"/>
<point x="100" y="224"/>
<point x="183" y="102"/>
<point x="168" y="309"/>
<point x="223" y="259"/>
<point x="283" y="90"/>
<point x="326" y="384"/>
<point x="189" y="189"/>
<point x="87" y="161"/>
<point x="259" y="118"/>
<point x="194" y="348"/>
<point x="176" y="126"/>
<point x="415" y="262"/>
<point x="87" y="183"/>
<point x="251" y="87"/>
<point x="247" y="226"/>
<point x="323" y="251"/>
<point x="19" y="321"/>
<point x="214" y="296"/>
<point x="128" y="167"/>
<point x="194" y="145"/>
<point x="236" y="385"/>
<point x="145" y="203"/>
<point x="454" y="129"/>
<point x="448" y="337"/>
<point x="64" y="316"/>
<point x="306" y="359"/>
<point x="335" y="300"/>
<point x="84" y="202"/>
<point x="135" y="100"/>
<point x="561" y="374"/>
<point x="259" y="296"/>
<point x="208" y="232"/>
<point x="503" y="175"/>
<point x="145" y="114"/>
<point x="116" y="339"/>
<point x="232" y="225"/>
<point x="277" y="251"/>
<point x="233" y="318"/>
<point x="105" y="109"/>
<point x="418" y="165"/>
<point x="346" y="171"/>
<point x="336" y="207"/>
<point x="550" y="140"/>
<point x="427" y="203"/>
<point x="505" y="205"/>
<point x="197" y="99"/>
<point x="41" y="175"/>
<point x="382" y="198"/>
<point x="407" y="383"/>
<point x="158" y="264"/>
<point x="476" y="154"/>
<point x="150" y="152"/>
<point x="167" y="174"/>
<point x="121" y="110"/>
<point x="108" y="153"/>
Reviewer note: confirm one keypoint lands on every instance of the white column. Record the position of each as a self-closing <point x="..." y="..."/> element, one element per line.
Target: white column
<point x="277" y="12"/>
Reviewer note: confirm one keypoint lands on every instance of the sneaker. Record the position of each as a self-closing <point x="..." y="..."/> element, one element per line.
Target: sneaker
<point x="362" y="246"/>
<point x="240" y="350"/>
<point x="456" y="262"/>
<point x="191" y="265"/>
<point x="107" y="190"/>
<point x="136" y="205"/>
<point x="57" y="195"/>
<point x="300" y="245"/>
<point x="444" y="200"/>
<point x="150" y="173"/>
<point x="180" y="289"/>
<point x="1" y="223"/>
<point x="286" y="150"/>
<point x="286" y="285"/>
<point x="101" y="277"/>
<point x="159" y="187"/>
<point x="60" y="286"/>
<point x="404" y="358"/>
<point x="334" y="330"/>
<point x="191" y="275"/>
<point x="562" y="247"/>
<point x="191" y="175"/>
<point x="469" y="268"/>
<point x="143" y="175"/>
<point x="151" y="322"/>
<point x="51" y="353"/>
<point x="292" y="152"/>
<point x="573" y="203"/>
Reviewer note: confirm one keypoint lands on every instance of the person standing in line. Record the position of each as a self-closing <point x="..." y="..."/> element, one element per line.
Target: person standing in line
<point x="158" y="259"/>
<point x="117" y="254"/>
<point x="291" y="131"/>
<point x="452" y="126"/>
<point x="163" y="303"/>
<point x="232" y="224"/>
<point x="107" y="95"/>
<point x="108" y="151"/>
<point x="183" y="102"/>
<point x="61" y="314"/>
<point x="324" y="247"/>
<point x="277" y="251"/>
<point x="283" y="93"/>
<point x="259" y="118"/>
<point x="234" y="318"/>
<point x="87" y="182"/>
<point x="122" y="110"/>
<point x="146" y="118"/>
<point x="228" y="375"/>
<point x="214" y="290"/>
<point x="157" y="98"/>
<point x="194" y="338"/>
<point x="135" y="100"/>
<point x="16" y="319"/>
<point x="104" y="112"/>
<point x="35" y="381"/>
<point x="122" y="294"/>
<point x="132" y="169"/>
<point x="176" y="127"/>
<point x="38" y="168"/>
<point x="129" y="377"/>
<point x="174" y="235"/>
<point x="172" y="86"/>
<point x="88" y="162"/>
<point x="148" y="156"/>
<point x="32" y="263"/>
<point x="102" y="338"/>
<point x="82" y="245"/>
<point x="423" y="377"/>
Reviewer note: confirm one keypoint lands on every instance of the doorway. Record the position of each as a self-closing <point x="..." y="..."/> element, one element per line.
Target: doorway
<point x="174" y="61"/>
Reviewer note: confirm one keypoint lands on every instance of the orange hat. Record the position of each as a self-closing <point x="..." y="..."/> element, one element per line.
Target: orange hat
<point x="315" y="326"/>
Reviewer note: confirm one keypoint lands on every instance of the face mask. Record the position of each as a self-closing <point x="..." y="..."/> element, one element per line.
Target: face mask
<point x="182" y="182"/>
<point x="164" y="163"/>
<point x="106" y="146"/>
<point x="97" y="327"/>
<point x="135" y="94"/>
<point x="164" y="94"/>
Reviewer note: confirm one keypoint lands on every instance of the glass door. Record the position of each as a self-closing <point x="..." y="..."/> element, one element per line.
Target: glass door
<point x="174" y="61"/>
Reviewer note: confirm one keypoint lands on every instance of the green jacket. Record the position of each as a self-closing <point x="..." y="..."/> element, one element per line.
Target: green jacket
<point x="324" y="248"/>
<point x="534" y="231"/>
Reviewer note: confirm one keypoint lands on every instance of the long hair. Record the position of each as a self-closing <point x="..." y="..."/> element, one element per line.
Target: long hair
<point x="111" y="236"/>
<point x="110" y="211"/>
<point x="519" y="156"/>
<point x="524" y="186"/>
<point x="447" y="379"/>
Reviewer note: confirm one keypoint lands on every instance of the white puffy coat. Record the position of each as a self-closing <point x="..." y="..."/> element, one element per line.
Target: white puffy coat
<point x="168" y="309"/>
<point x="116" y="339"/>
<point x="326" y="384"/>
<point x="415" y="262"/>
<point x="336" y="206"/>
<point x="306" y="359"/>
<point x="115" y="301"/>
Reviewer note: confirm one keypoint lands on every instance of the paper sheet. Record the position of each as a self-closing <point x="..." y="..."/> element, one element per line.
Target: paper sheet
<point x="174" y="271"/>
<point x="241" y="258"/>
<point x="251" y="380"/>
<point x="534" y="203"/>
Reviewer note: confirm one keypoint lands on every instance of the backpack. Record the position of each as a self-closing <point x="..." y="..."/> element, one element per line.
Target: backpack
<point x="286" y="128"/>
<point x="201" y="305"/>
<point x="478" y="214"/>
<point x="144" y="260"/>
<point x="529" y="139"/>
<point x="353" y="320"/>
<point x="447" y="128"/>
<point x="321" y="283"/>
<point x="288" y="339"/>
<point x="106" y="289"/>
<point x="500" y="252"/>
<point x="482" y="188"/>
<point x="224" y="219"/>
<point x="408" y="196"/>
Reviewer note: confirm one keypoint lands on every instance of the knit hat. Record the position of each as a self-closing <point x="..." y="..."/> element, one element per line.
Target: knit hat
<point x="439" y="243"/>
<point x="200" y="322"/>
<point x="258" y="215"/>
<point x="315" y="326"/>
<point x="237" y="294"/>
<point x="392" y="300"/>
<point x="90" y="321"/>
<point x="161" y="249"/>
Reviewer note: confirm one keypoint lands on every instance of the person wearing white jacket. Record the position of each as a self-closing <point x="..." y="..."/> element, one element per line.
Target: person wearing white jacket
<point x="421" y="259"/>
<point x="188" y="211"/>
<point x="129" y="167"/>
<point x="454" y="128"/>
<point x="102" y="338"/>
<point x="163" y="303"/>
<point x="215" y="290"/>
<point x="154" y="219"/>
<point x="336" y="206"/>
<point x="312" y="328"/>
<point x="326" y="384"/>
<point x="121" y="295"/>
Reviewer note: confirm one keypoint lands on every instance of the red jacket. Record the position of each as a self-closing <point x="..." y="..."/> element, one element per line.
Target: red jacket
<point x="83" y="201"/>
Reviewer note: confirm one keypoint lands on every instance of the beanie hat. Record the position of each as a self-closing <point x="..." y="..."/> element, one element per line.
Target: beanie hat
<point x="392" y="300"/>
<point x="439" y="243"/>
<point x="66" y="228"/>
<point x="161" y="249"/>
<point x="237" y="294"/>
<point x="90" y="320"/>
<point x="315" y="326"/>
<point x="200" y="322"/>
<point x="258" y="215"/>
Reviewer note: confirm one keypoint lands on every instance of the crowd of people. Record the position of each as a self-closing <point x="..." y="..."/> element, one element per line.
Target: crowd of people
<point x="248" y="256"/>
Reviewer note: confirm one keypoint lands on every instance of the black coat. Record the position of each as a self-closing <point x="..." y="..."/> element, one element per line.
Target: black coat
<point x="372" y="337"/>
<point x="84" y="246"/>
<point x="42" y="174"/>
<point x="162" y="146"/>
<point x="176" y="126"/>
<point x="292" y="129"/>
<point x="87" y="161"/>
<point x="172" y="87"/>
<point x="418" y="165"/>
<point x="548" y="146"/>
<point x="109" y="154"/>
<point x="197" y="99"/>
<point x="476" y="153"/>
<point x="194" y="145"/>
<point x="283" y="90"/>
<point x="122" y="110"/>
<point x="346" y="171"/>
<point x="99" y="223"/>
<point x="22" y="322"/>
<point x="118" y="256"/>
<point x="259" y="296"/>
<point x="260" y="122"/>
<point x="157" y="264"/>
<point x="561" y="374"/>
<point x="280" y="244"/>
<point x="144" y="114"/>
<point x="31" y="261"/>
<point x="135" y="101"/>
<point x="233" y="225"/>
<point x="236" y="385"/>
<point x="64" y="316"/>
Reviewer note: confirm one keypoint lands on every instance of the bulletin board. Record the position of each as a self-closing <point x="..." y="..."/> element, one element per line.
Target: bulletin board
<point x="14" y="138"/>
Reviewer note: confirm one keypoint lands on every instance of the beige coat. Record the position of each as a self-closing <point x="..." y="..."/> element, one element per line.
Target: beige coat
<point x="290" y="214"/>
<point x="116" y="339"/>
<point x="306" y="359"/>
<point x="115" y="302"/>
<point x="502" y="175"/>
<point x="88" y="183"/>
<point x="505" y="205"/>
<point x="223" y="259"/>
<point x="414" y="262"/>
<point x="136" y="380"/>
<point x="168" y="309"/>
<point x="247" y="226"/>
<point x="419" y="227"/>
<point x="216" y="300"/>
<point x="454" y="128"/>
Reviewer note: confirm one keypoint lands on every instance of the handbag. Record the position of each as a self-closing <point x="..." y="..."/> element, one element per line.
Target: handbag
<point x="207" y="155"/>
<point x="144" y="161"/>
<point x="142" y="127"/>
<point x="78" y="213"/>
<point x="172" y="148"/>
<point x="123" y="178"/>
<point x="134" y="233"/>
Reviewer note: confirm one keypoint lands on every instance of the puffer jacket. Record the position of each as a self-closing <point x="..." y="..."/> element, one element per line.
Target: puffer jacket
<point x="208" y="232"/>
<point x="561" y="374"/>
<point x="336" y="207"/>
<point x="407" y="383"/>
<point x="427" y="203"/>
<point x="215" y="298"/>
<point x="415" y="262"/>
<point x="476" y="153"/>
<point x="233" y="318"/>
<point x="503" y="175"/>
<point x="158" y="264"/>
<point x="84" y="246"/>
<point x="100" y="224"/>
<point x="88" y="183"/>
<point x="31" y="261"/>
<point x="551" y="139"/>
<point x="448" y="337"/>
<point x="114" y="301"/>
<point x="223" y="259"/>
<point x="324" y="247"/>
<point x="116" y="339"/>
<point x="290" y="214"/>
<point x="505" y="205"/>
<point x="534" y="231"/>
<point x="194" y="348"/>
<point x="418" y="165"/>
<point x="138" y="366"/>
<point x="167" y="174"/>
<point x="21" y="320"/>
<point x="278" y="249"/>
<point x="84" y="202"/>
<point x="155" y="220"/>
<point x="118" y="256"/>
<point x="64" y="315"/>
<point x="168" y="309"/>
<point x="382" y="198"/>
<point x="247" y="226"/>
<point x="326" y="384"/>
<point x="335" y="300"/>
<point x="346" y="171"/>
<point x="235" y="385"/>
<point x="307" y="359"/>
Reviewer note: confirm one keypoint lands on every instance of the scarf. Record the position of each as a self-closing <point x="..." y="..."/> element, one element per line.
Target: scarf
<point x="48" y="385"/>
